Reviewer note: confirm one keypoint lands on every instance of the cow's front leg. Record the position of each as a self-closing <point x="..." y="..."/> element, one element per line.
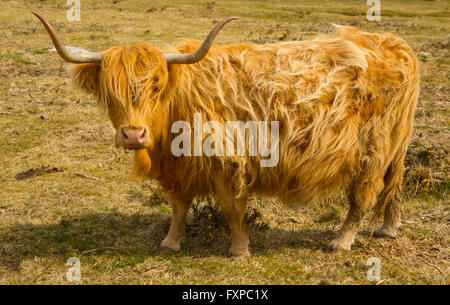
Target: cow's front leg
<point x="177" y="227"/>
<point x="234" y="211"/>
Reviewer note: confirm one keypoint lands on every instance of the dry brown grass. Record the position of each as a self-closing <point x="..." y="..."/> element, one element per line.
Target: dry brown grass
<point x="75" y="196"/>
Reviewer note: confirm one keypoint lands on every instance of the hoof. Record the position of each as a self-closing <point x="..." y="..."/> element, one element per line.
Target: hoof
<point x="336" y="248"/>
<point x="335" y="251"/>
<point x="238" y="254"/>
<point x="164" y="250"/>
<point x="385" y="233"/>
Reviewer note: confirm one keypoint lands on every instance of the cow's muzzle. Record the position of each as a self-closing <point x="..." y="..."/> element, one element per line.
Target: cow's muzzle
<point x="134" y="137"/>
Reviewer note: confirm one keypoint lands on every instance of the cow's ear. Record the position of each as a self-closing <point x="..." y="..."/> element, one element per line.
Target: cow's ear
<point x="86" y="77"/>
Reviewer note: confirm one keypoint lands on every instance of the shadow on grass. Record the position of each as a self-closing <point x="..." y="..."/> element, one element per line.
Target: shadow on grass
<point x="138" y="235"/>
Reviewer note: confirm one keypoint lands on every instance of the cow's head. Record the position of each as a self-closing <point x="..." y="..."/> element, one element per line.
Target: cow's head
<point x="128" y="82"/>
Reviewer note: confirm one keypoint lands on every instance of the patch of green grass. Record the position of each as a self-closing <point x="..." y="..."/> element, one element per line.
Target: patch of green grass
<point x="420" y="231"/>
<point x="416" y="144"/>
<point x="164" y="209"/>
<point x="40" y="51"/>
<point x="348" y="11"/>
<point x="17" y="57"/>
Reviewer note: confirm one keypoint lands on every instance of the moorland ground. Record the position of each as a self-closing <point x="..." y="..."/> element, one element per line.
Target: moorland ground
<point x="65" y="191"/>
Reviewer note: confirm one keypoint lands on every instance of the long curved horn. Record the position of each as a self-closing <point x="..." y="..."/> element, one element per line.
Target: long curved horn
<point x="175" y="58"/>
<point x="68" y="56"/>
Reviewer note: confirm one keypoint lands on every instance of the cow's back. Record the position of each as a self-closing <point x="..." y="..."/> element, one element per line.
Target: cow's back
<point x="341" y="102"/>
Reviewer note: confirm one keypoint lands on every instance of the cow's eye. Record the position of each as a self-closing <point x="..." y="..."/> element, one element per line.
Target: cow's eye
<point x="155" y="83"/>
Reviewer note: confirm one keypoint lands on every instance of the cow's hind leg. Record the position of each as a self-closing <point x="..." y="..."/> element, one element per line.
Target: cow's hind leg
<point x="391" y="221"/>
<point x="177" y="227"/>
<point x="362" y="198"/>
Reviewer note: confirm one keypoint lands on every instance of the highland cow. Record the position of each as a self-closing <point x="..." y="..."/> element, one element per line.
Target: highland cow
<point x="344" y="104"/>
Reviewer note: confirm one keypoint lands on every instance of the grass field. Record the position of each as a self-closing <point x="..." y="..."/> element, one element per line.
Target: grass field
<point x="65" y="191"/>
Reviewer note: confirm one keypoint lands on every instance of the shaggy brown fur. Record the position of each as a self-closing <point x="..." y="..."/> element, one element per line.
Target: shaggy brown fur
<point x="345" y="106"/>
